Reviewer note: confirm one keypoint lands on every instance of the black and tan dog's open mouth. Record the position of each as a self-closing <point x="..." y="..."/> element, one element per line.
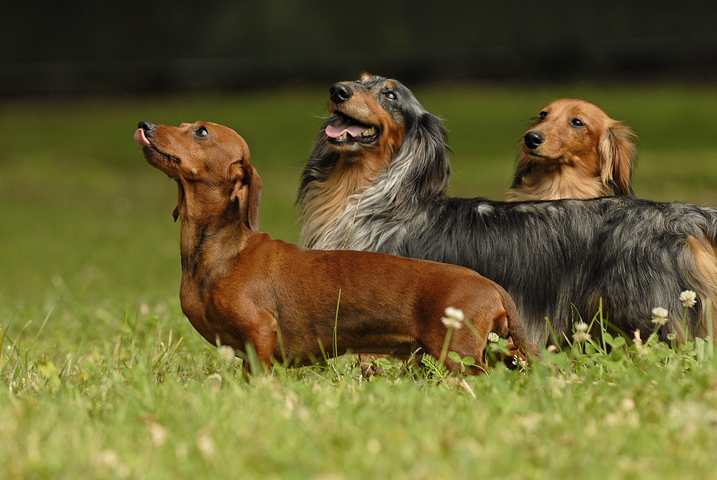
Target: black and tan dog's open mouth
<point x="344" y="130"/>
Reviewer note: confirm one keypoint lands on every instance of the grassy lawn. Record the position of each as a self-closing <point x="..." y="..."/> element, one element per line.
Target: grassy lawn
<point x="101" y="376"/>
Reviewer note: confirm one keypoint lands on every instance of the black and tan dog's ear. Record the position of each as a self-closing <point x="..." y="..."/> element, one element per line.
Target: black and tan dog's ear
<point x="180" y="202"/>
<point x="617" y="158"/>
<point x="425" y="145"/>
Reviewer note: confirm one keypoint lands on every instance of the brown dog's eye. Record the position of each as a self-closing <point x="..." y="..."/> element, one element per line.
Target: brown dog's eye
<point x="201" y="132"/>
<point x="542" y="115"/>
<point x="577" y="123"/>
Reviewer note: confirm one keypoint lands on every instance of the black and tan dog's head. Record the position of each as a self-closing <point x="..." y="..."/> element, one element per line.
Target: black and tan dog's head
<point x="212" y="160"/>
<point x="371" y="113"/>
<point x="376" y="125"/>
<point x="371" y="117"/>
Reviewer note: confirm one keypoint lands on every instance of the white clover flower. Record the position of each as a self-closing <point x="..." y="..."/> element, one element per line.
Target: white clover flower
<point x="157" y="433"/>
<point x="456" y="313"/>
<point x="493" y="337"/>
<point x="451" y="323"/>
<point x="581" y="327"/>
<point x="659" y="316"/>
<point x="552" y="348"/>
<point x="688" y="298"/>
<point x="628" y="404"/>
<point x="581" y="337"/>
<point x="453" y="319"/>
<point x="226" y="353"/>
<point x="205" y="444"/>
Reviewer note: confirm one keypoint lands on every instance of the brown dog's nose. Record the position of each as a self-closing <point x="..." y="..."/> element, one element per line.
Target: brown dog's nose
<point x="146" y="127"/>
<point x="533" y="140"/>
<point x="339" y="93"/>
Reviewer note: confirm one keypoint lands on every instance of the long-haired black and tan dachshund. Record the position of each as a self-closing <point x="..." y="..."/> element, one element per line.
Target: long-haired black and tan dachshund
<point x="239" y="286"/>
<point x="376" y="180"/>
<point x="573" y="149"/>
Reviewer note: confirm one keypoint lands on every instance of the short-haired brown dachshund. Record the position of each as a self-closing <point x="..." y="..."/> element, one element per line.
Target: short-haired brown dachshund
<point x="574" y="150"/>
<point x="240" y="287"/>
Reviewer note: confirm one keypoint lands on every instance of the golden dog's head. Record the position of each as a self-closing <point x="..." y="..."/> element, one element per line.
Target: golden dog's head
<point x="576" y="133"/>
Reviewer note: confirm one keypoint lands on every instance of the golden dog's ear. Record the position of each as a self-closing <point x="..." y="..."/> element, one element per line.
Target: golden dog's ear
<point x="180" y="202"/>
<point x="617" y="158"/>
<point x="246" y="192"/>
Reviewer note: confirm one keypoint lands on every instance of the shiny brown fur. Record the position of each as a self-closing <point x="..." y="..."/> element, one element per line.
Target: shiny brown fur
<point x="589" y="161"/>
<point x="240" y="287"/>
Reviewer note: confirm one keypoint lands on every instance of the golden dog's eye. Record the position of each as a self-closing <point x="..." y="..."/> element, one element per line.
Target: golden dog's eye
<point x="576" y="122"/>
<point x="201" y="132"/>
<point x="542" y="115"/>
<point x="391" y="95"/>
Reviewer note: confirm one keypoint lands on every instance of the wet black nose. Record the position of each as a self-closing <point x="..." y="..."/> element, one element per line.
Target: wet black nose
<point x="533" y="140"/>
<point x="146" y="126"/>
<point x="339" y="93"/>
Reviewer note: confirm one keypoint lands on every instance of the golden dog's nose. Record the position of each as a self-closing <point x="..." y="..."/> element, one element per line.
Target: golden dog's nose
<point x="533" y="140"/>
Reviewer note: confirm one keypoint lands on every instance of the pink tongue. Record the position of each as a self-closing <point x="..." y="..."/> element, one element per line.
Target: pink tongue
<point x="336" y="132"/>
<point x="140" y="138"/>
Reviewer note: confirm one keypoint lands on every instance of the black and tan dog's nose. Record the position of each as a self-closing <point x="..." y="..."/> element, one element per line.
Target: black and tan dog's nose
<point x="533" y="140"/>
<point x="339" y="92"/>
<point x="146" y="127"/>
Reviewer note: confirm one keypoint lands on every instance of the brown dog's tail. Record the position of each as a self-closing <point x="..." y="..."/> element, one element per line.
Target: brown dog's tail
<point x="516" y="329"/>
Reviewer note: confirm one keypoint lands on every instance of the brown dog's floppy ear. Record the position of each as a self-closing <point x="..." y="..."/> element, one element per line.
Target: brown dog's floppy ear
<point x="251" y="181"/>
<point x="252" y="208"/>
<point x="180" y="201"/>
<point x="617" y="157"/>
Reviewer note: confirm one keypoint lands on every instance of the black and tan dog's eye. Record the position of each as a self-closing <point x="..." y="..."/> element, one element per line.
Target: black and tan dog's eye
<point x="201" y="132"/>
<point x="576" y="122"/>
<point x="542" y="115"/>
<point x="390" y="95"/>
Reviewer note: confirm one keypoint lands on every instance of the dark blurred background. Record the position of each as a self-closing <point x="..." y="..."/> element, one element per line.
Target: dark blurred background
<point x="81" y="48"/>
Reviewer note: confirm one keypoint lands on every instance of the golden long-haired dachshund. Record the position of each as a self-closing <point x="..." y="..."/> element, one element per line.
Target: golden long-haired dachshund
<point x="240" y="287"/>
<point x="574" y="149"/>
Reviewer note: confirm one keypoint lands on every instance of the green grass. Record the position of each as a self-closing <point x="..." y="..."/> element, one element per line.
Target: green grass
<point x="96" y="357"/>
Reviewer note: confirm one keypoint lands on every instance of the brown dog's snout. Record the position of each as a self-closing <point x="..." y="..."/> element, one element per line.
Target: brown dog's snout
<point x="147" y="127"/>
<point x="533" y="139"/>
<point x="340" y="92"/>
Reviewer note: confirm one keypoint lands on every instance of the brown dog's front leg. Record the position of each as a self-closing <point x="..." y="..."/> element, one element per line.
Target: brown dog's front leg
<point x="261" y="339"/>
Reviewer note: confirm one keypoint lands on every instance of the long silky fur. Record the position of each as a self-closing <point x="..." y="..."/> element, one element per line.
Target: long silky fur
<point x="558" y="259"/>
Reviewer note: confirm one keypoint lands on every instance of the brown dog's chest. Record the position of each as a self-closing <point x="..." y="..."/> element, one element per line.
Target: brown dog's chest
<point x="203" y="316"/>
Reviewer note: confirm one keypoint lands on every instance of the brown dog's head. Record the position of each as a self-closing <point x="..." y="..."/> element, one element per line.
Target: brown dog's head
<point x="576" y="133"/>
<point x="211" y="160"/>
